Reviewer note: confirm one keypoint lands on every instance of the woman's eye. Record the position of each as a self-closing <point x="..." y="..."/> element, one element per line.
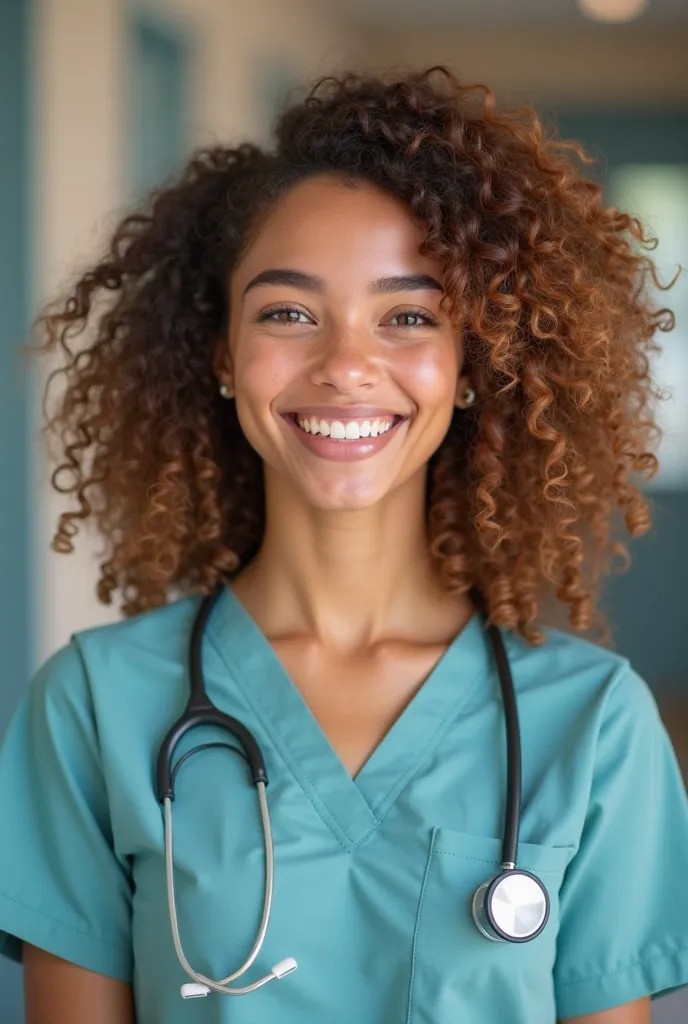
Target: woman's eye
<point x="283" y="315"/>
<point x="417" y="319"/>
<point x="289" y="315"/>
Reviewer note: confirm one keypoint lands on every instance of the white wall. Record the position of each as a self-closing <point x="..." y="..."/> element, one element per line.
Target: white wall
<point x="80" y="150"/>
<point x="78" y="98"/>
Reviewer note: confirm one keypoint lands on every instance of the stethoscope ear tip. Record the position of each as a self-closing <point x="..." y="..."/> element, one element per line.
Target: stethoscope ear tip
<point x="284" y="967"/>
<point x="194" y="991"/>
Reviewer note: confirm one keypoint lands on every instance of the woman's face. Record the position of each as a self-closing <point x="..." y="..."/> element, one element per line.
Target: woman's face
<point x="344" y="369"/>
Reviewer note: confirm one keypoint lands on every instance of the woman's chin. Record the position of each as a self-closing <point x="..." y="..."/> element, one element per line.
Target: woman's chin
<point x="344" y="496"/>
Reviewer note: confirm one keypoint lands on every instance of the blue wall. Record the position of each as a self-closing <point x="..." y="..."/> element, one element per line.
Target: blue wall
<point x="15" y="177"/>
<point x="14" y="391"/>
<point x="159" y="56"/>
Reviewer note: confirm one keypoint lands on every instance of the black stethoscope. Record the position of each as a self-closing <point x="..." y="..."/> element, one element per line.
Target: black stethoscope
<point x="513" y="906"/>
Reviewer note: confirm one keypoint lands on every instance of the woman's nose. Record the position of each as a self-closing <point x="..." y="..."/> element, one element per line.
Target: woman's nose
<point x="347" y="361"/>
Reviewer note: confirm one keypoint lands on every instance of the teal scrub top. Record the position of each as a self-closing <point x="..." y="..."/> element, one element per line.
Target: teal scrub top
<point x="374" y="876"/>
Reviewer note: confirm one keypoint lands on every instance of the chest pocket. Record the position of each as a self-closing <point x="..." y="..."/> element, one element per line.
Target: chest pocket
<point x="458" y="974"/>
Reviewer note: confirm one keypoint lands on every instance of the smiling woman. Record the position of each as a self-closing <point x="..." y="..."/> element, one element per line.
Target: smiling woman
<point x="356" y="412"/>
<point x="358" y="360"/>
<point x="542" y="283"/>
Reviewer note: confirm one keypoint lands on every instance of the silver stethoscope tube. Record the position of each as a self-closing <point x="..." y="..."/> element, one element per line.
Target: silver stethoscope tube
<point x="221" y="984"/>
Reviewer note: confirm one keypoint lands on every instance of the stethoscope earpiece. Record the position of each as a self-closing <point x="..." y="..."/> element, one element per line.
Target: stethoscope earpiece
<point x="194" y="991"/>
<point x="512" y="907"/>
<point x="284" y="967"/>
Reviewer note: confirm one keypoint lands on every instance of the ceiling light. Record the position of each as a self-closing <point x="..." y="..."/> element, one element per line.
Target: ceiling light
<point x="613" y="11"/>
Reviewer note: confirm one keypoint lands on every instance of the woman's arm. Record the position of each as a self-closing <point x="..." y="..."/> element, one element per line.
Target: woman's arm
<point x="59" y="992"/>
<point x="631" y="1013"/>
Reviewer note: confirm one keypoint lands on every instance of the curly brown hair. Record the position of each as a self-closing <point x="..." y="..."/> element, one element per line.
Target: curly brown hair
<point x="550" y="287"/>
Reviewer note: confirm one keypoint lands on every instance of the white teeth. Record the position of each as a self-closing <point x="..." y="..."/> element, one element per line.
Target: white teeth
<point x="352" y="430"/>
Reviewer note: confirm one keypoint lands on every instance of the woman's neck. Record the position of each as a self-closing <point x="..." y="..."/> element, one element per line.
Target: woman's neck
<point x="346" y="578"/>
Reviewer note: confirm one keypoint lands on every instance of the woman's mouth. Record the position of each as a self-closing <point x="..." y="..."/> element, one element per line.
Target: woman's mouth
<point x="344" y="438"/>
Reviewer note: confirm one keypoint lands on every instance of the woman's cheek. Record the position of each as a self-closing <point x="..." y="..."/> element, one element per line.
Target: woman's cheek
<point x="430" y="378"/>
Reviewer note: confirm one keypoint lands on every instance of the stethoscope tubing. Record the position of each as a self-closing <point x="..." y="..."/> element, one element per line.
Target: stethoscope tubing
<point x="221" y="984"/>
<point x="512" y="811"/>
<point x="512" y="814"/>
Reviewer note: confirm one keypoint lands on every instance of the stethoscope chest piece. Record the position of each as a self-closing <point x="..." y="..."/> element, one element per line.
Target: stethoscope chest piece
<point x="512" y="907"/>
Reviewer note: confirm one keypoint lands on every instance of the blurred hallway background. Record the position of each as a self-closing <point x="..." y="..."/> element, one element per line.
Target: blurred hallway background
<point x="101" y="100"/>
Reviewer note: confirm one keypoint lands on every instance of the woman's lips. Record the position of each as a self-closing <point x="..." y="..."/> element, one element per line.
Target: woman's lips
<point x="344" y="450"/>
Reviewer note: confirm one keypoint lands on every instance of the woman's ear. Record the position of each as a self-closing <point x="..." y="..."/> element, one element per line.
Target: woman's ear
<point x="222" y="368"/>
<point x="465" y="392"/>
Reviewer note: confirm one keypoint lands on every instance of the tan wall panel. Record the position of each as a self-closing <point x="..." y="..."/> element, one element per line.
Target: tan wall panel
<point x="613" y="67"/>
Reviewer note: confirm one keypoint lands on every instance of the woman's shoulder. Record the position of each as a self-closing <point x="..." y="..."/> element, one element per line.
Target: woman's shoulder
<point x="165" y="628"/>
<point x="584" y="679"/>
<point x="115" y="658"/>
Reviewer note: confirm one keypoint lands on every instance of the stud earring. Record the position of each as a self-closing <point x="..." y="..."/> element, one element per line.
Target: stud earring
<point x="468" y="396"/>
<point x="224" y="391"/>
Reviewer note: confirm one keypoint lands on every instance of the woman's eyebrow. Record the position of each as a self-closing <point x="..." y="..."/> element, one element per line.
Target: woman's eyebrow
<point x="312" y="283"/>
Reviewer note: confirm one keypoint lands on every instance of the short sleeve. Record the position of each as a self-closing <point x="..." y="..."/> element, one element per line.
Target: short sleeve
<point x="62" y="886"/>
<point x="624" y="900"/>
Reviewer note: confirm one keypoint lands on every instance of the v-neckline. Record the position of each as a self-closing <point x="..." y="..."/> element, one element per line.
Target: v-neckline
<point x="352" y="807"/>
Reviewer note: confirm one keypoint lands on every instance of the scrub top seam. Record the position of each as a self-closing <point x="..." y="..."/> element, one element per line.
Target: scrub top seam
<point x="484" y="860"/>
<point x="382" y="807"/>
<point x="65" y="924"/>
<point x="419" y="914"/>
<point x="661" y="954"/>
<point x="340" y="833"/>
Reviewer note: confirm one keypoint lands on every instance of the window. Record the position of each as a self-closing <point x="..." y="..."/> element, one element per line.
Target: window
<point x="658" y="195"/>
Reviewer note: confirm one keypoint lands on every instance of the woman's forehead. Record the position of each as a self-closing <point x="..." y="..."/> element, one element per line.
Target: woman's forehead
<point x="324" y="226"/>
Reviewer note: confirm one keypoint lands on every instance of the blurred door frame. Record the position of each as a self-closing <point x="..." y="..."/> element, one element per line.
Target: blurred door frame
<point x="15" y="390"/>
<point x="160" y="64"/>
<point x="17" y="601"/>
